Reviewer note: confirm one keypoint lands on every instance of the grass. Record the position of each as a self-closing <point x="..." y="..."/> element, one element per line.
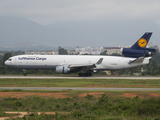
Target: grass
<point x="18" y="82"/>
<point x="75" y="93"/>
<point x="111" y="106"/>
<point x="88" y="107"/>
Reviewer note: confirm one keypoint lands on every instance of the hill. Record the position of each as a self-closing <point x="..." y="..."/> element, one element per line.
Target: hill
<point x="16" y="31"/>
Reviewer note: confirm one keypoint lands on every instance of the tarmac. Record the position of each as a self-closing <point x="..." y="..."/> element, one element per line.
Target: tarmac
<point x="76" y="77"/>
<point x="78" y="88"/>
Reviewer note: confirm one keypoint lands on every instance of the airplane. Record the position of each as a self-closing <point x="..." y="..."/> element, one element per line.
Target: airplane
<point x="137" y="55"/>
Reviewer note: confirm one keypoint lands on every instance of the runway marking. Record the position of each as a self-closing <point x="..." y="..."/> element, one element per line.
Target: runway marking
<point x="74" y="77"/>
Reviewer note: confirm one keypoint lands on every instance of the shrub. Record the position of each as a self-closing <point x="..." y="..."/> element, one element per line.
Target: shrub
<point x="42" y="102"/>
<point x="149" y="107"/>
<point x="2" y="113"/>
<point x="17" y="103"/>
<point x="34" y="106"/>
<point x="89" y="97"/>
<point x="77" y="113"/>
<point x="58" y="106"/>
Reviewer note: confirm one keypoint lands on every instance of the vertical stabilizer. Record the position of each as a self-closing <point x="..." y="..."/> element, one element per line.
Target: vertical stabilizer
<point x="143" y="41"/>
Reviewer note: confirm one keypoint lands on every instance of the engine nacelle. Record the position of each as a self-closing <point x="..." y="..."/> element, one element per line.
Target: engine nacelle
<point x="128" y="52"/>
<point x="62" y="69"/>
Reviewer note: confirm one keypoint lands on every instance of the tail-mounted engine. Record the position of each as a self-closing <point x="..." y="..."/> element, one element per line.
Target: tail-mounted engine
<point x="145" y="52"/>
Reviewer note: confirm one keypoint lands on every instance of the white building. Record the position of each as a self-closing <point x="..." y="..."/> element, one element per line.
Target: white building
<point x="72" y="52"/>
<point x="111" y="50"/>
<point x="42" y="53"/>
<point x="89" y="50"/>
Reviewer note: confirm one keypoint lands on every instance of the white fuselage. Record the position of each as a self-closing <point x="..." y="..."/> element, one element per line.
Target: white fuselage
<point x="51" y="61"/>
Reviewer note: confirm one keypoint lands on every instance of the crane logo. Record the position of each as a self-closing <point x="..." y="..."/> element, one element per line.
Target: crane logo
<point x="142" y="42"/>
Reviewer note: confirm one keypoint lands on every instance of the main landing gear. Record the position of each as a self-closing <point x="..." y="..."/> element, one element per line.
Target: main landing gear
<point x="25" y="72"/>
<point x="85" y="74"/>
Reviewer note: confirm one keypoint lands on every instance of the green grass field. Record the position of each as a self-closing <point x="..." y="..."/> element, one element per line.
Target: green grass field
<point x="109" y="105"/>
<point x="84" y="108"/>
<point x="79" y="83"/>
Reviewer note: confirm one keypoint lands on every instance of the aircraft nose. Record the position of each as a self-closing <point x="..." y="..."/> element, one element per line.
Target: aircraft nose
<point x="6" y="62"/>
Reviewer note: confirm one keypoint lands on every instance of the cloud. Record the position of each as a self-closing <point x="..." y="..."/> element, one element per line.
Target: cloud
<point x="49" y="11"/>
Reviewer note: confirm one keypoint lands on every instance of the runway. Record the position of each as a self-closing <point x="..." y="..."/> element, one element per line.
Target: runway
<point x="76" y="77"/>
<point x="79" y="88"/>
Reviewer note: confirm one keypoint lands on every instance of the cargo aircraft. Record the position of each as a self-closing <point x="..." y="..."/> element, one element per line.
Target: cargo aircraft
<point x="138" y="54"/>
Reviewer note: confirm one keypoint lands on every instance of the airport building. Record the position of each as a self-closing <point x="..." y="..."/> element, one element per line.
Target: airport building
<point x="111" y="50"/>
<point x="72" y="52"/>
<point x="82" y="51"/>
<point x="42" y="53"/>
<point x="89" y="50"/>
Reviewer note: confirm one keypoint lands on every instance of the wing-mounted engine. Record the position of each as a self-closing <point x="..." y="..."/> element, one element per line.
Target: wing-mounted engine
<point x="135" y="53"/>
<point x="62" y="69"/>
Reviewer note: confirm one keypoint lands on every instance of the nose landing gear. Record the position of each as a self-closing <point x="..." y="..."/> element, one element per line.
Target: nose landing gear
<point x="25" y="72"/>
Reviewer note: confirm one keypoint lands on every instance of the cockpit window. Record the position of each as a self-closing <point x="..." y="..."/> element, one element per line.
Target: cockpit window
<point x="10" y="59"/>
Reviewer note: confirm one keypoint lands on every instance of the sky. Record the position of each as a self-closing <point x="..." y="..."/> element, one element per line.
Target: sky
<point x="46" y="12"/>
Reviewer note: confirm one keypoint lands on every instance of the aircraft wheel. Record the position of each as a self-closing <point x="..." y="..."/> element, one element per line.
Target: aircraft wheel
<point x="85" y="74"/>
<point x="80" y="74"/>
<point x="89" y="74"/>
<point x="25" y="74"/>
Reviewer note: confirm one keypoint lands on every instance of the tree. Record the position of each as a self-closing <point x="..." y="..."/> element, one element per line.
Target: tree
<point x="104" y="53"/>
<point x="115" y="54"/>
<point x="6" y="56"/>
<point x="62" y="51"/>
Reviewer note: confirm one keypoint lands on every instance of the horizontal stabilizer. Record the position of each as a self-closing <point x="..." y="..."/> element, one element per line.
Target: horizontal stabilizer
<point x="138" y="60"/>
<point x="99" y="61"/>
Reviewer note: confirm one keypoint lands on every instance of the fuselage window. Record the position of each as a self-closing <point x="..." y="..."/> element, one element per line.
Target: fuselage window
<point x="10" y="59"/>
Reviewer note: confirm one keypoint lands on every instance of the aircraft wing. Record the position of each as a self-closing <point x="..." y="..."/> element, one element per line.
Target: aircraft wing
<point x="87" y="64"/>
<point x="138" y="60"/>
<point x="80" y="65"/>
